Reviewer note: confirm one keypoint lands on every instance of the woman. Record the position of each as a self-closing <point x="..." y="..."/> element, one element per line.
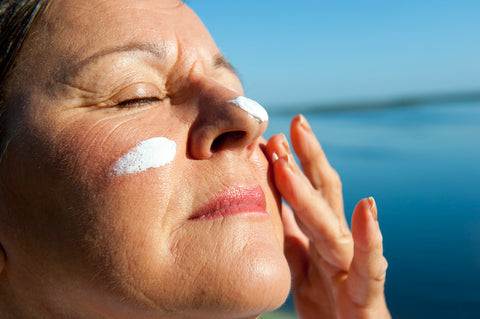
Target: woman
<point x="135" y="182"/>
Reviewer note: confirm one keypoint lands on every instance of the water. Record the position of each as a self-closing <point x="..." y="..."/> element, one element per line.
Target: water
<point x="422" y="165"/>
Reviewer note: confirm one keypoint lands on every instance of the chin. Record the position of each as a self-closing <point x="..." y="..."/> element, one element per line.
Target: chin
<point x="267" y="289"/>
<point x="242" y="276"/>
<point x="241" y="286"/>
<point x="257" y="288"/>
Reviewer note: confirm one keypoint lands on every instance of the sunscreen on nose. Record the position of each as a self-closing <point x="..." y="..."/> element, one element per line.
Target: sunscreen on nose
<point x="252" y="107"/>
<point x="152" y="153"/>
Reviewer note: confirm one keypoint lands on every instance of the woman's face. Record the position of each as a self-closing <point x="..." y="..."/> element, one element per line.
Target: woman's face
<point x="197" y="235"/>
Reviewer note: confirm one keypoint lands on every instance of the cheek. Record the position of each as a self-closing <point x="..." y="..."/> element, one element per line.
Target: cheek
<point x="152" y="153"/>
<point x="122" y="180"/>
<point x="96" y="153"/>
<point x="91" y="218"/>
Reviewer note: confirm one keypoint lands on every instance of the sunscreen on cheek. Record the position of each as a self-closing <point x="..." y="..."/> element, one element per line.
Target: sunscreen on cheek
<point x="151" y="153"/>
<point x="250" y="106"/>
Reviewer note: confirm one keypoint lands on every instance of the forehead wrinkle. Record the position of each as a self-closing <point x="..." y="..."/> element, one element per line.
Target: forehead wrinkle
<point x="70" y="69"/>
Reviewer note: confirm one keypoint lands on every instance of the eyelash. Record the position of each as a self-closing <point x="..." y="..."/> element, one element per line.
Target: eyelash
<point x="138" y="102"/>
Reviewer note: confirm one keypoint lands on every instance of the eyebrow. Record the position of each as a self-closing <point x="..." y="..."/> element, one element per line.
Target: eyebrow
<point x="158" y="50"/>
<point x="220" y="61"/>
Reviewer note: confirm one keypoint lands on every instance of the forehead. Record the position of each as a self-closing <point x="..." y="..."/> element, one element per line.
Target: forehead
<point x="85" y="27"/>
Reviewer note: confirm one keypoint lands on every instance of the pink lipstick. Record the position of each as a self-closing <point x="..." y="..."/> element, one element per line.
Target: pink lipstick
<point x="231" y="201"/>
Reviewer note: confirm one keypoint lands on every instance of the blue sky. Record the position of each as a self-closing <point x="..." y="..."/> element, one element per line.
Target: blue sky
<point x="333" y="51"/>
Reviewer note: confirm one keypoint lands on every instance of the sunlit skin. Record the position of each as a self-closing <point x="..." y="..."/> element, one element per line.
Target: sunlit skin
<point x="337" y="273"/>
<point x="94" y="80"/>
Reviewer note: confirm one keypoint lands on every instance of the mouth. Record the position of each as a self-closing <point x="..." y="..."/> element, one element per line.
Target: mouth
<point x="233" y="201"/>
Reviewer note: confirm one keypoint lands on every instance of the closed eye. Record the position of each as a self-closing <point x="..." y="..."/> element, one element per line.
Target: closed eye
<point x="138" y="102"/>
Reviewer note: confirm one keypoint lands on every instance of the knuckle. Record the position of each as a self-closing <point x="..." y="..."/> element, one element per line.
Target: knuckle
<point x="381" y="272"/>
<point x="334" y="238"/>
<point x="385" y="265"/>
<point x="336" y="179"/>
<point x="344" y="239"/>
<point x="333" y="179"/>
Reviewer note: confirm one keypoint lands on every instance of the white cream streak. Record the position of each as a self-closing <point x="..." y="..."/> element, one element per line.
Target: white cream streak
<point x="251" y="107"/>
<point x="151" y="153"/>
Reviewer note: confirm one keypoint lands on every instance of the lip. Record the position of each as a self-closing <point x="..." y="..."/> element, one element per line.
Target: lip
<point x="233" y="201"/>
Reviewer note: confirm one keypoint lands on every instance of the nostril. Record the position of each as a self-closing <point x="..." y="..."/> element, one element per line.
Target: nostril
<point x="227" y="139"/>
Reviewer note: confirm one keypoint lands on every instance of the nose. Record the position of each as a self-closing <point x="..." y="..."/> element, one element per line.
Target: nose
<point x="221" y="123"/>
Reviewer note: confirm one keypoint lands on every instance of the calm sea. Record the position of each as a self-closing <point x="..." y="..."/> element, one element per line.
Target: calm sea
<point x="422" y="165"/>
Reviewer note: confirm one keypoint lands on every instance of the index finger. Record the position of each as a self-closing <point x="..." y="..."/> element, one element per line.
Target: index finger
<point x="316" y="218"/>
<point x="316" y="166"/>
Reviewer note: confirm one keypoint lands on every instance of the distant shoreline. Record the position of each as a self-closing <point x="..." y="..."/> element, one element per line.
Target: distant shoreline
<point x="404" y="101"/>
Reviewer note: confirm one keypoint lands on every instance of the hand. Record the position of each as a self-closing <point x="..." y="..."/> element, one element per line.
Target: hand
<point x="336" y="273"/>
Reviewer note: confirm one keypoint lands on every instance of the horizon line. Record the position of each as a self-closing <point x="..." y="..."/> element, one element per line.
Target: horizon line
<point x="384" y="103"/>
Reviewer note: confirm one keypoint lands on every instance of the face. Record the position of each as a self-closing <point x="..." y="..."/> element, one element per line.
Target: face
<point x="196" y="235"/>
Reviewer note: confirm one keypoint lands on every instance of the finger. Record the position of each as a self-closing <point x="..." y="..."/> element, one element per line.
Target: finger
<point x="296" y="246"/>
<point x="366" y="278"/>
<point x="316" y="166"/>
<point x="290" y="226"/>
<point x="298" y="254"/>
<point x="320" y="224"/>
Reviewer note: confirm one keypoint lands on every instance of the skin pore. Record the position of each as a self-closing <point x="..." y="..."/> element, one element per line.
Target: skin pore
<point x="81" y="242"/>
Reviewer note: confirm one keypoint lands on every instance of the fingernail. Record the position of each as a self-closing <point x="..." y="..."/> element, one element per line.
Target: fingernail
<point x="285" y="144"/>
<point x="288" y="161"/>
<point x="304" y="123"/>
<point x="373" y="208"/>
<point x="274" y="157"/>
